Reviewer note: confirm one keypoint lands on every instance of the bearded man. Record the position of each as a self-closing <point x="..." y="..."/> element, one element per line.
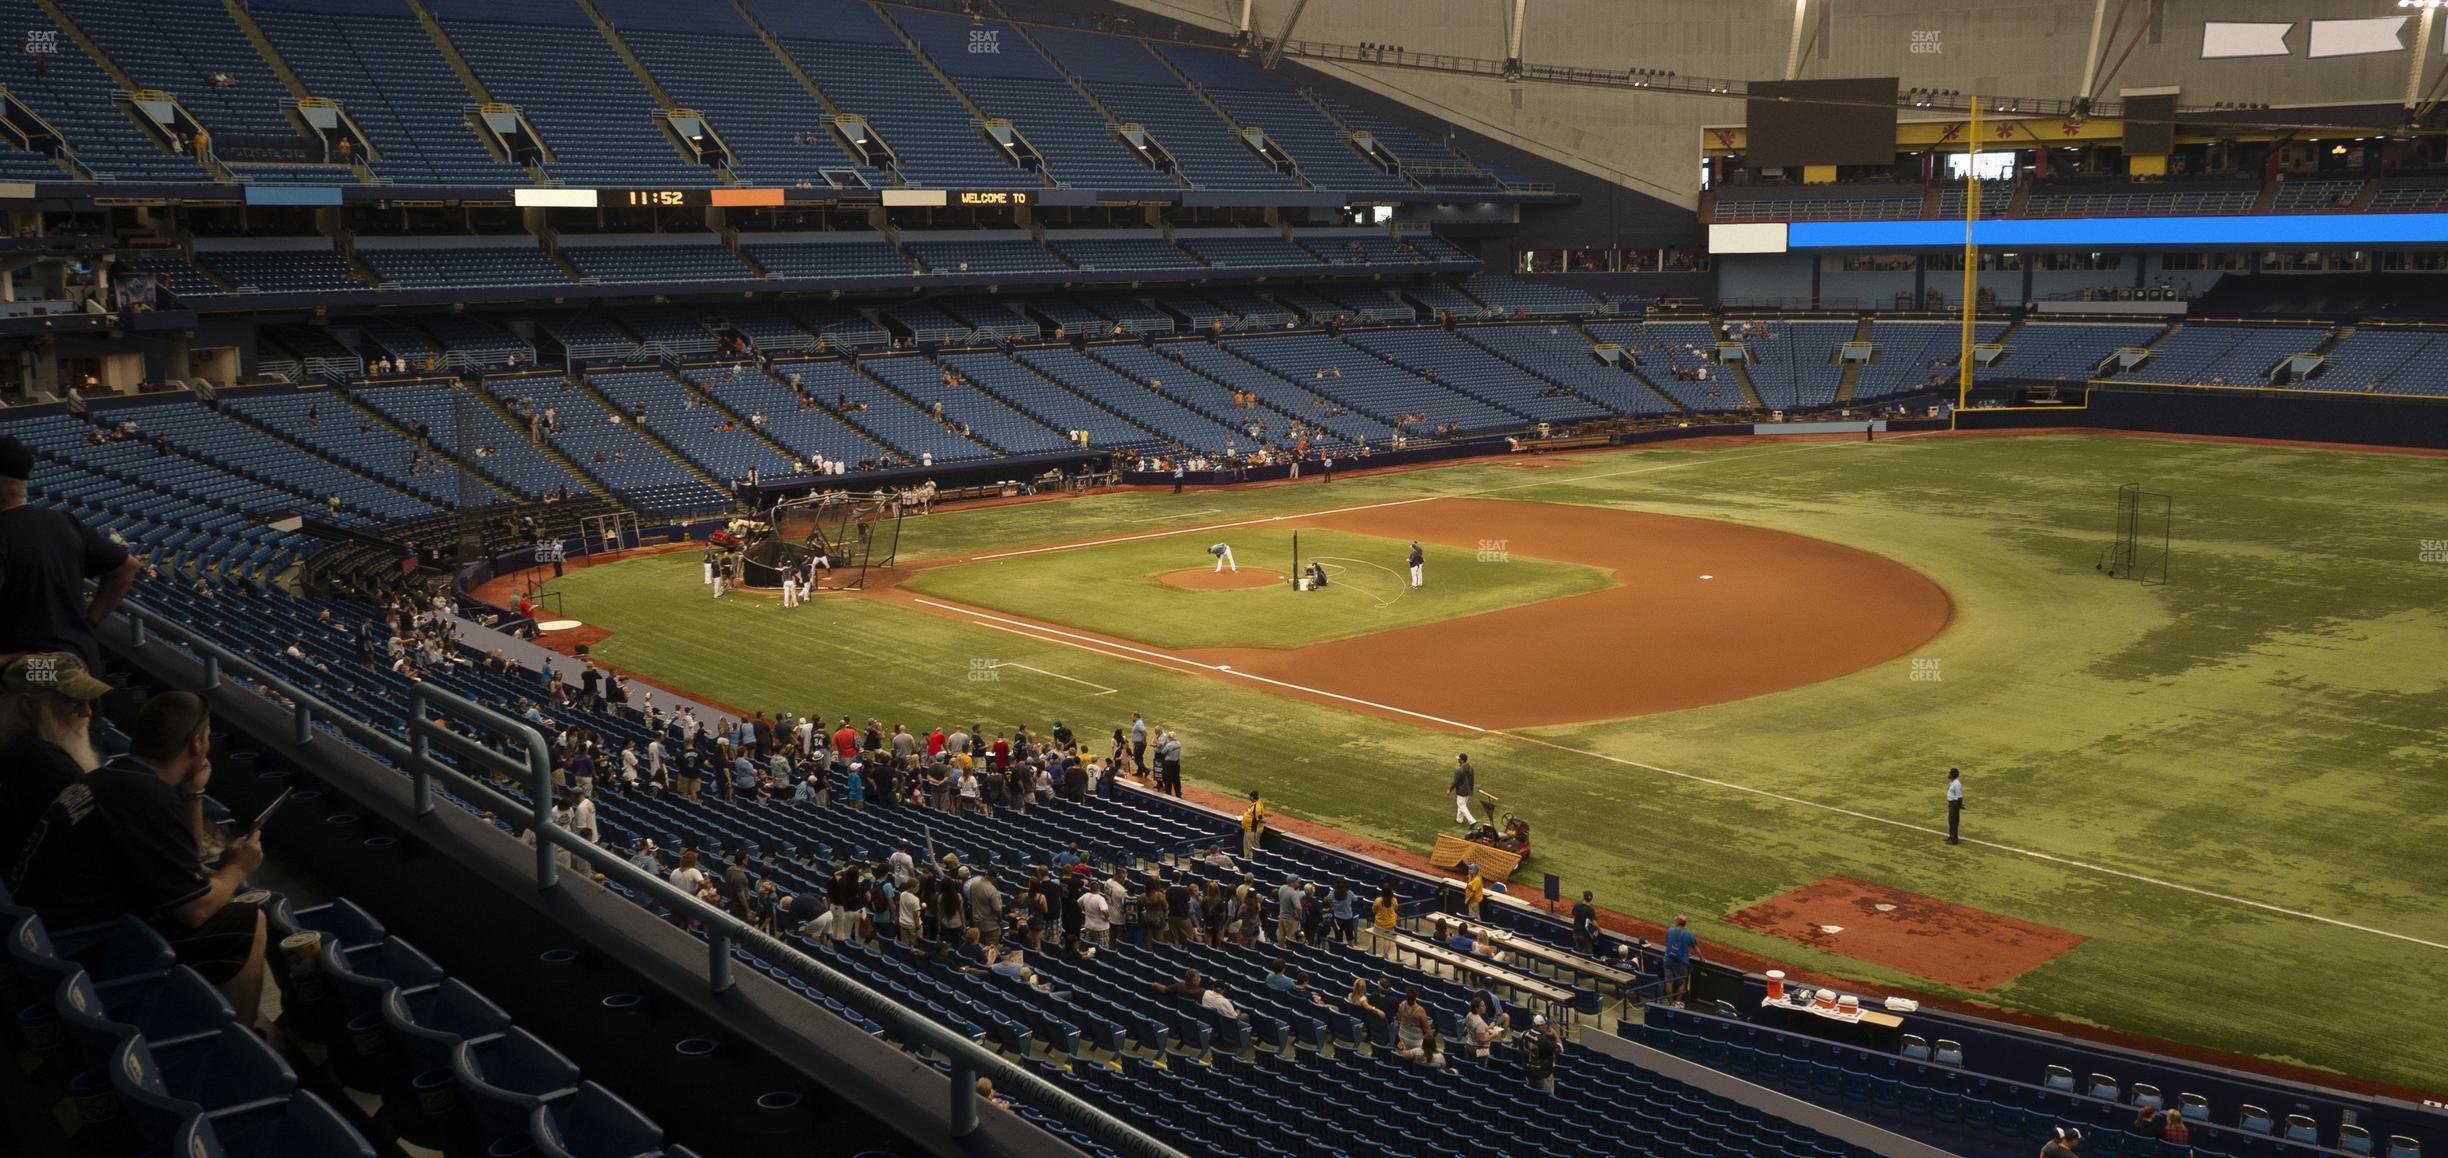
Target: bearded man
<point x="46" y="739"/>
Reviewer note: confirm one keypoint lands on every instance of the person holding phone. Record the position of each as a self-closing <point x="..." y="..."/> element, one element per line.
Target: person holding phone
<point x="127" y="841"/>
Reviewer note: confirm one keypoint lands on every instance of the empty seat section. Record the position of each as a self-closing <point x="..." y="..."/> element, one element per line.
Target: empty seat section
<point x="864" y="68"/>
<point x="1370" y="247"/>
<point x="1369" y="305"/>
<point x="459" y="264"/>
<point x="282" y="266"/>
<point x="328" y="424"/>
<point x="1128" y="79"/>
<point x="1563" y="356"/>
<point x="382" y="338"/>
<point x="1132" y="314"/>
<point x="171" y="268"/>
<point x="1202" y="376"/>
<point x="1006" y="76"/>
<point x="73" y="92"/>
<point x="1458" y="365"/>
<point x="673" y="333"/>
<point x="608" y="447"/>
<point x="2046" y="351"/>
<point x="1793" y="364"/>
<point x="1267" y="101"/>
<point x="826" y="256"/>
<point x="596" y="121"/>
<point x="653" y="258"/>
<point x="1524" y="297"/>
<point x="179" y="47"/>
<point x="1121" y="251"/>
<point x="726" y="447"/>
<point x="915" y="434"/>
<point x="711" y="60"/>
<point x="1916" y="356"/>
<point x="1661" y="349"/>
<point x="1178" y="425"/>
<point x="1037" y="395"/>
<point x="218" y="438"/>
<point x="477" y="342"/>
<point x="2198" y="355"/>
<point x="1246" y="249"/>
<point x="2374" y="361"/>
<point x="988" y="420"/>
<point x="980" y="251"/>
<point x="1365" y="382"/>
<point x="801" y="421"/>
<point x="472" y="432"/>
<point x="1429" y="163"/>
<point x="839" y="325"/>
<point x="378" y="63"/>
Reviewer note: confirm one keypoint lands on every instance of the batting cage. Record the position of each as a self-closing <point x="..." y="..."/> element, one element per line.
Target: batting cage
<point x="842" y="534"/>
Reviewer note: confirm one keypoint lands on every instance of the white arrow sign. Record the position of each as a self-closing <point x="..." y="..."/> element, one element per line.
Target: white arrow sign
<point x="2222" y="40"/>
<point x="2357" y="37"/>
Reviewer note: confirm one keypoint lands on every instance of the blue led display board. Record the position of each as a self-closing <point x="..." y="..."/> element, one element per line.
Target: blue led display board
<point x="2304" y="230"/>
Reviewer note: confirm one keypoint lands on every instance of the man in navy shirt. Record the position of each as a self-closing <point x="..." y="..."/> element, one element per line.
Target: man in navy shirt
<point x="45" y="558"/>
<point x="1419" y="565"/>
<point x="124" y="842"/>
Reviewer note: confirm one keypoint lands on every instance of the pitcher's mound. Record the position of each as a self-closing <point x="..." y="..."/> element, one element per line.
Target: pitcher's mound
<point x="1205" y="579"/>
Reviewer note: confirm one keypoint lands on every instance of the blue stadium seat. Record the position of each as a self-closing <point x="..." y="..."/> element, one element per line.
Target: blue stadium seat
<point x="595" y="1123"/>
<point x="167" y="1009"/>
<point x="506" y="1077"/>
<point x="300" y="1126"/>
<point x="110" y="952"/>
<point x="227" y="1074"/>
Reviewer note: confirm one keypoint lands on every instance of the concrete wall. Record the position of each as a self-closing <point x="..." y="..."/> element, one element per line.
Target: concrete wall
<point x="1650" y="142"/>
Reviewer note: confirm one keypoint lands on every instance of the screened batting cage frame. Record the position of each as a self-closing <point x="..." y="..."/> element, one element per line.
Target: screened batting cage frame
<point x="2144" y="535"/>
<point x="608" y="534"/>
<point x="856" y="531"/>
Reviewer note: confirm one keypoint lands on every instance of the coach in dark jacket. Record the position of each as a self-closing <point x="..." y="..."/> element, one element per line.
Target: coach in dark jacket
<point x="1465" y="785"/>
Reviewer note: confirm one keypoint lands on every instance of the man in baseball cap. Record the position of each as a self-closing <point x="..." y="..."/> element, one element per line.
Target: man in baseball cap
<point x="45" y="558"/>
<point x="46" y="738"/>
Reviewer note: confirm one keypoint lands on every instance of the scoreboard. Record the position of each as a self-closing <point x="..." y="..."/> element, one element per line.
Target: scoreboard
<point x="674" y="198"/>
<point x="732" y="196"/>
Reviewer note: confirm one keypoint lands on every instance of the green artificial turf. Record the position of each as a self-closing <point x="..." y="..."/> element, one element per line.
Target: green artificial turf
<point x="1117" y="589"/>
<point x="2265" y="727"/>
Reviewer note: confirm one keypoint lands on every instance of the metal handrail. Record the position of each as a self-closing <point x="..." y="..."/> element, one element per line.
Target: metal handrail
<point x="967" y="1059"/>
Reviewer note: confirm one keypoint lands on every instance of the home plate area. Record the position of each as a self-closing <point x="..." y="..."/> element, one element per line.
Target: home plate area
<point x="1970" y="949"/>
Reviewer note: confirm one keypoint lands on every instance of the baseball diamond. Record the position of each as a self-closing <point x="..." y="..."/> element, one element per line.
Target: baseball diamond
<point x="1140" y="579"/>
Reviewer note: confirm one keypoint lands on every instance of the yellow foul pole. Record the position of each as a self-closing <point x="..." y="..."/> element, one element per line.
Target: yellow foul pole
<point x="1971" y="259"/>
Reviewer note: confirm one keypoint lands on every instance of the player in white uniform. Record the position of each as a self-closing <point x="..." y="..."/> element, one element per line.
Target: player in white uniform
<point x="790" y="587"/>
<point x="1224" y="557"/>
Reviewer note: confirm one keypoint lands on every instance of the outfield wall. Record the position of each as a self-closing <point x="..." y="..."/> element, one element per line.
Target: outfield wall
<point x="2359" y="420"/>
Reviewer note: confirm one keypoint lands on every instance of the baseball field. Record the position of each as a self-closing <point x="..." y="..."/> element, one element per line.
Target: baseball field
<point x="1726" y="680"/>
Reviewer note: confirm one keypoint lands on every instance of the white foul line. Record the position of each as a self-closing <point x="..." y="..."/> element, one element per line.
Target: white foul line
<point x="1908" y="825"/>
<point x="1160" y="659"/>
<point x="1102" y="690"/>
